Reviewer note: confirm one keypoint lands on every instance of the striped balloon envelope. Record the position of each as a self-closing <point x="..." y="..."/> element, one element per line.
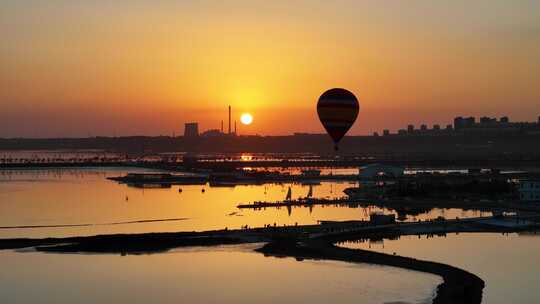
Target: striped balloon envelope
<point x="337" y="109"/>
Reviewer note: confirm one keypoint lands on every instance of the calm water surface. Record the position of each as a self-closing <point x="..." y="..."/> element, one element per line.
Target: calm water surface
<point x="212" y="275"/>
<point x="85" y="197"/>
<point x="509" y="264"/>
<point x="233" y="274"/>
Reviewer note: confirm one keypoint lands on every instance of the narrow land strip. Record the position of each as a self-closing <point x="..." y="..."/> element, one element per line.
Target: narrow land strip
<point x="309" y="241"/>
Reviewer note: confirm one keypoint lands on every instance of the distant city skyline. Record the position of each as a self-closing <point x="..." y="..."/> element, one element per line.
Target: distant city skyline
<point x="217" y="127"/>
<point x="80" y="68"/>
<point x="472" y="125"/>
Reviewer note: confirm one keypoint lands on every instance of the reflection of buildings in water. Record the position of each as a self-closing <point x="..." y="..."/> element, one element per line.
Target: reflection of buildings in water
<point x="60" y="173"/>
<point x="78" y="156"/>
<point x="379" y="241"/>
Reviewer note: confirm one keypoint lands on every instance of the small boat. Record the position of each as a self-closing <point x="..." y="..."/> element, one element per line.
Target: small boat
<point x="289" y="195"/>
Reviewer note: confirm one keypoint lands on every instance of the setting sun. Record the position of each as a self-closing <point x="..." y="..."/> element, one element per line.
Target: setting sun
<point x="246" y="119"/>
<point x="399" y="138"/>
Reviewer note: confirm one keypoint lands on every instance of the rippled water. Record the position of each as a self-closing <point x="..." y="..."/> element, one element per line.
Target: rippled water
<point x="509" y="263"/>
<point x="230" y="274"/>
<point x="84" y="197"/>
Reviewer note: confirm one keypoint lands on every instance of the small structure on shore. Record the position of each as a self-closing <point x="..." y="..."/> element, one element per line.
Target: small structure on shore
<point x="376" y="170"/>
<point x="381" y="219"/>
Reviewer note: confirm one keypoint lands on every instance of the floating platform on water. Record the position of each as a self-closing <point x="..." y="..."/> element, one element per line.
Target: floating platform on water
<point x="300" y="203"/>
<point x="164" y="179"/>
<point x="225" y="179"/>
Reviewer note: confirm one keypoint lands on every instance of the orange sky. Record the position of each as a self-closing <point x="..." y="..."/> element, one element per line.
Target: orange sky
<point x="79" y="68"/>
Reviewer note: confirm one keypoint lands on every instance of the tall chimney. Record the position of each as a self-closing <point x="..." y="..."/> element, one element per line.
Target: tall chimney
<point x="222" y="126"/>
<point x="229" y="119"/>
<point x="235" y="127"/>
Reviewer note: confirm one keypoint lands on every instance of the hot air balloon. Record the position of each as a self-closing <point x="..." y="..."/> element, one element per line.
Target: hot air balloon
<point x="337" y="109"/>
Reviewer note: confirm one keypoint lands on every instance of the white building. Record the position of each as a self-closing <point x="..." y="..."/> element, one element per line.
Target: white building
<point x="375" y="170"/>
<point x="529" y="190"/>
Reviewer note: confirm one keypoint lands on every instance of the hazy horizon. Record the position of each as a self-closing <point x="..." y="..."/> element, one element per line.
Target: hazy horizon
<point x="77" y="68"/>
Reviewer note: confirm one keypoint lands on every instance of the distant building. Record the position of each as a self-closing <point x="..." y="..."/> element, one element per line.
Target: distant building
<point x="458" y="123"/>
<point x="470" y="121"/>
<point x="461" y="123"/>
<point x="375" y="170"/>
<point x="402" y="132"/>
<point x="488" y="121"/>
<point x="423" y="127"/>
<point x="191" y="129"/>
<point x="504" y="119"/>
<point x="410" y="129"/>
<point x="308" y="134"/>
<point x="436" y="127"/>
<point x="212" y="133"/>
<point x="529" y="190"/>
<point x="386" y="132"/>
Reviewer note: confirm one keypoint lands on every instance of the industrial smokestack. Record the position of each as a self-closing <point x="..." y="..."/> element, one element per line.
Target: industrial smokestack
<point x="235" y="127"/>
<point x="222" y="126"/>
<point x="229" y="119"/>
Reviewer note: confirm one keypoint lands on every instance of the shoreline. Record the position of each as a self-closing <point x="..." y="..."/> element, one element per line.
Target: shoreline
<point x="458" y="286"/>
<point x="479" y="163"/>
<point x="301" y="242"/>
